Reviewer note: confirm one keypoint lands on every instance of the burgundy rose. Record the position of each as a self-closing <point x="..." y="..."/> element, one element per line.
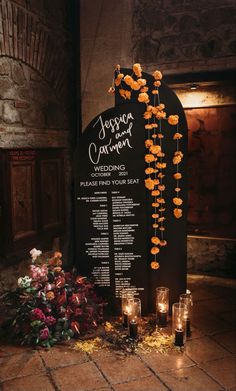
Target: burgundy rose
<point x="50" y="320"/>
<point x="37" y="314"/>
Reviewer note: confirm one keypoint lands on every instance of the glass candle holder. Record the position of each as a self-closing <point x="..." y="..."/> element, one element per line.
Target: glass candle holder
<point x="134" y="317"/>
<point x="186" y="298"/>
<point x="126" y="296"/>
<point x="179" y="323"/>
<point x="162" y="306"/>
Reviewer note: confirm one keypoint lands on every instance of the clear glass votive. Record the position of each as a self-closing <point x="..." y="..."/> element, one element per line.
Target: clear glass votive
<point x="179" y="323"/>
<point x="162" y="306"/>
<point x="186" y="298"/>
<point x="134" y="317"/>
<point x="126" y="295"/>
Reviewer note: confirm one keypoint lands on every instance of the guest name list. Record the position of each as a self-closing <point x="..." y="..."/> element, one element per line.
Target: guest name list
<point x="111" y="202"/>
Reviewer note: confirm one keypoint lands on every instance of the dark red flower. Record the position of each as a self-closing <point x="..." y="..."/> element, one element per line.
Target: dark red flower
<point x="75" y="327"/>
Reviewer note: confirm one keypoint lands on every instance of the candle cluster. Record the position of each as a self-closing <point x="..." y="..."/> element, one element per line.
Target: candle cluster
<point x="181" y="314"/>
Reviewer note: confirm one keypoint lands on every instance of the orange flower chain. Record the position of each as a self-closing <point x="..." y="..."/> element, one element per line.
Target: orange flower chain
<point x="154" y="115"/>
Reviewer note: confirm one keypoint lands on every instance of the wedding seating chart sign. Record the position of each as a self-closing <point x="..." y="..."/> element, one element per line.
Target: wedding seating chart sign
<point x="113" y="206"/>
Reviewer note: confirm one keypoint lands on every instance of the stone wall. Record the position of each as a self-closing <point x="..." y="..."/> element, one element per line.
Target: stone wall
<point x="185" y="35"/>
<point x="35" y="79"/>
<point x="176" y="36"/>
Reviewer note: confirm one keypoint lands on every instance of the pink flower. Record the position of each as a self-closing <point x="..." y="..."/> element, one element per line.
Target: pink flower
<point x="37" y="314"/>
<point x="39" y="273"/>
<point x="50" y="320"/>
<point x="44" y="334"/>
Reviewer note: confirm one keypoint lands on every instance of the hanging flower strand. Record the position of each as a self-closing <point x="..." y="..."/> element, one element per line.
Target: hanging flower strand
<point x="153" y="115"/>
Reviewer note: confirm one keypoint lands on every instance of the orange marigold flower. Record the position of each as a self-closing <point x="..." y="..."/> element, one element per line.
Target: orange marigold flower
<point x="163" y="243"/>
<point x="148" y="126"/>
<point x="149" y="108"/>
<point x="155" y="215"/>
<point x="154" y="92"/>
<point x="177" y="189"/>
<point x="128" y="94"/>
<point x="155" y="149"/>
<point x="117" y="82"/>
<point x="178" y="213"/>
<point x="157" y="75"/>
<point x="137" y="69"/>
<point x="161" y="165"/>
<point x="147" y="115"/>
<point x="149" y="184"/>
<point x="177" y="175"/>
<point x="156" y="181"/>
<point x="155" y="250"/>
<point x="173" y="119"/>
<point x="128" y="80"/>
<point x="176" y="159"/>
<point x="161" y="200"/>
<point x="135" y="86"/>
<point x="148" y="143"/>
<point x="149" y="170"/>
<point x="162" y="228"/>
<point x="157" y="83"/>
<point x="161" y="115"/>
<point x="144" y="89"/>
<point x="161" y="219"/>
<point x="149" y="158"/>
<point x="154" y="135"/>
<point x="177" y="201"/>
<point x="160" y="135"/>
<point x="155" y="265"/>
<point x="142" y="82"/>
<point x="161" y="187"/>
<point x="143" y="97"/>
<point x="57" y="254"/>
<point x="155" y="193"/>
<point x="155" y="225"/>
<point x="160" y="175"/>
<point x="154" y="125"/>
<point x="162" y="209"/>
<point x="177" y="136"/>
<point x="155" y="240"/>
<point x="155" y="204"/>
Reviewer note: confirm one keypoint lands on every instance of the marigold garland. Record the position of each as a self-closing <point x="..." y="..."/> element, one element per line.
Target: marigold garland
<point x="154" y="115"/>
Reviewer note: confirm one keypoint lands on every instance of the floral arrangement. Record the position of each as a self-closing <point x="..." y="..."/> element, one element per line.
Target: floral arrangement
<point x="154" y="114"/>
<point x="53" y="305"/>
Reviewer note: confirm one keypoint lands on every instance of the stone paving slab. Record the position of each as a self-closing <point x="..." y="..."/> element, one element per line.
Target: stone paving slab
<point x="29" y="383"/>
<point x="62" y="357"/>
<point x="189" y="379"/>
<point x="79" y="377"/>
<point x="204" y="349"/>
<point x="165" y="362"/>
<point x="227" y="340"/>
<point x="118" y="370"/>
<point x="222" y="370"/>
<point x="27" y="363"/>
<point x="150" y="383"/>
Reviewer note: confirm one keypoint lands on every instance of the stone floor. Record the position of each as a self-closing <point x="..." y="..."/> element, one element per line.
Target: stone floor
<point x="207" y="363"/>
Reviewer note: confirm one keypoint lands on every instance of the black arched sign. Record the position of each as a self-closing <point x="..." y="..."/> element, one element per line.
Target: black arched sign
<point x="113" y="208"/>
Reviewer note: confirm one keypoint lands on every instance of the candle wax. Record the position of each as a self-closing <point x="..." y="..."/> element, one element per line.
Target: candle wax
<point x="179" y="337"/>
<point x="162" y="318"/>
<point x="188" y="328"/>
<point x="125" y="319"/>
<point x="133" y="329"/>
